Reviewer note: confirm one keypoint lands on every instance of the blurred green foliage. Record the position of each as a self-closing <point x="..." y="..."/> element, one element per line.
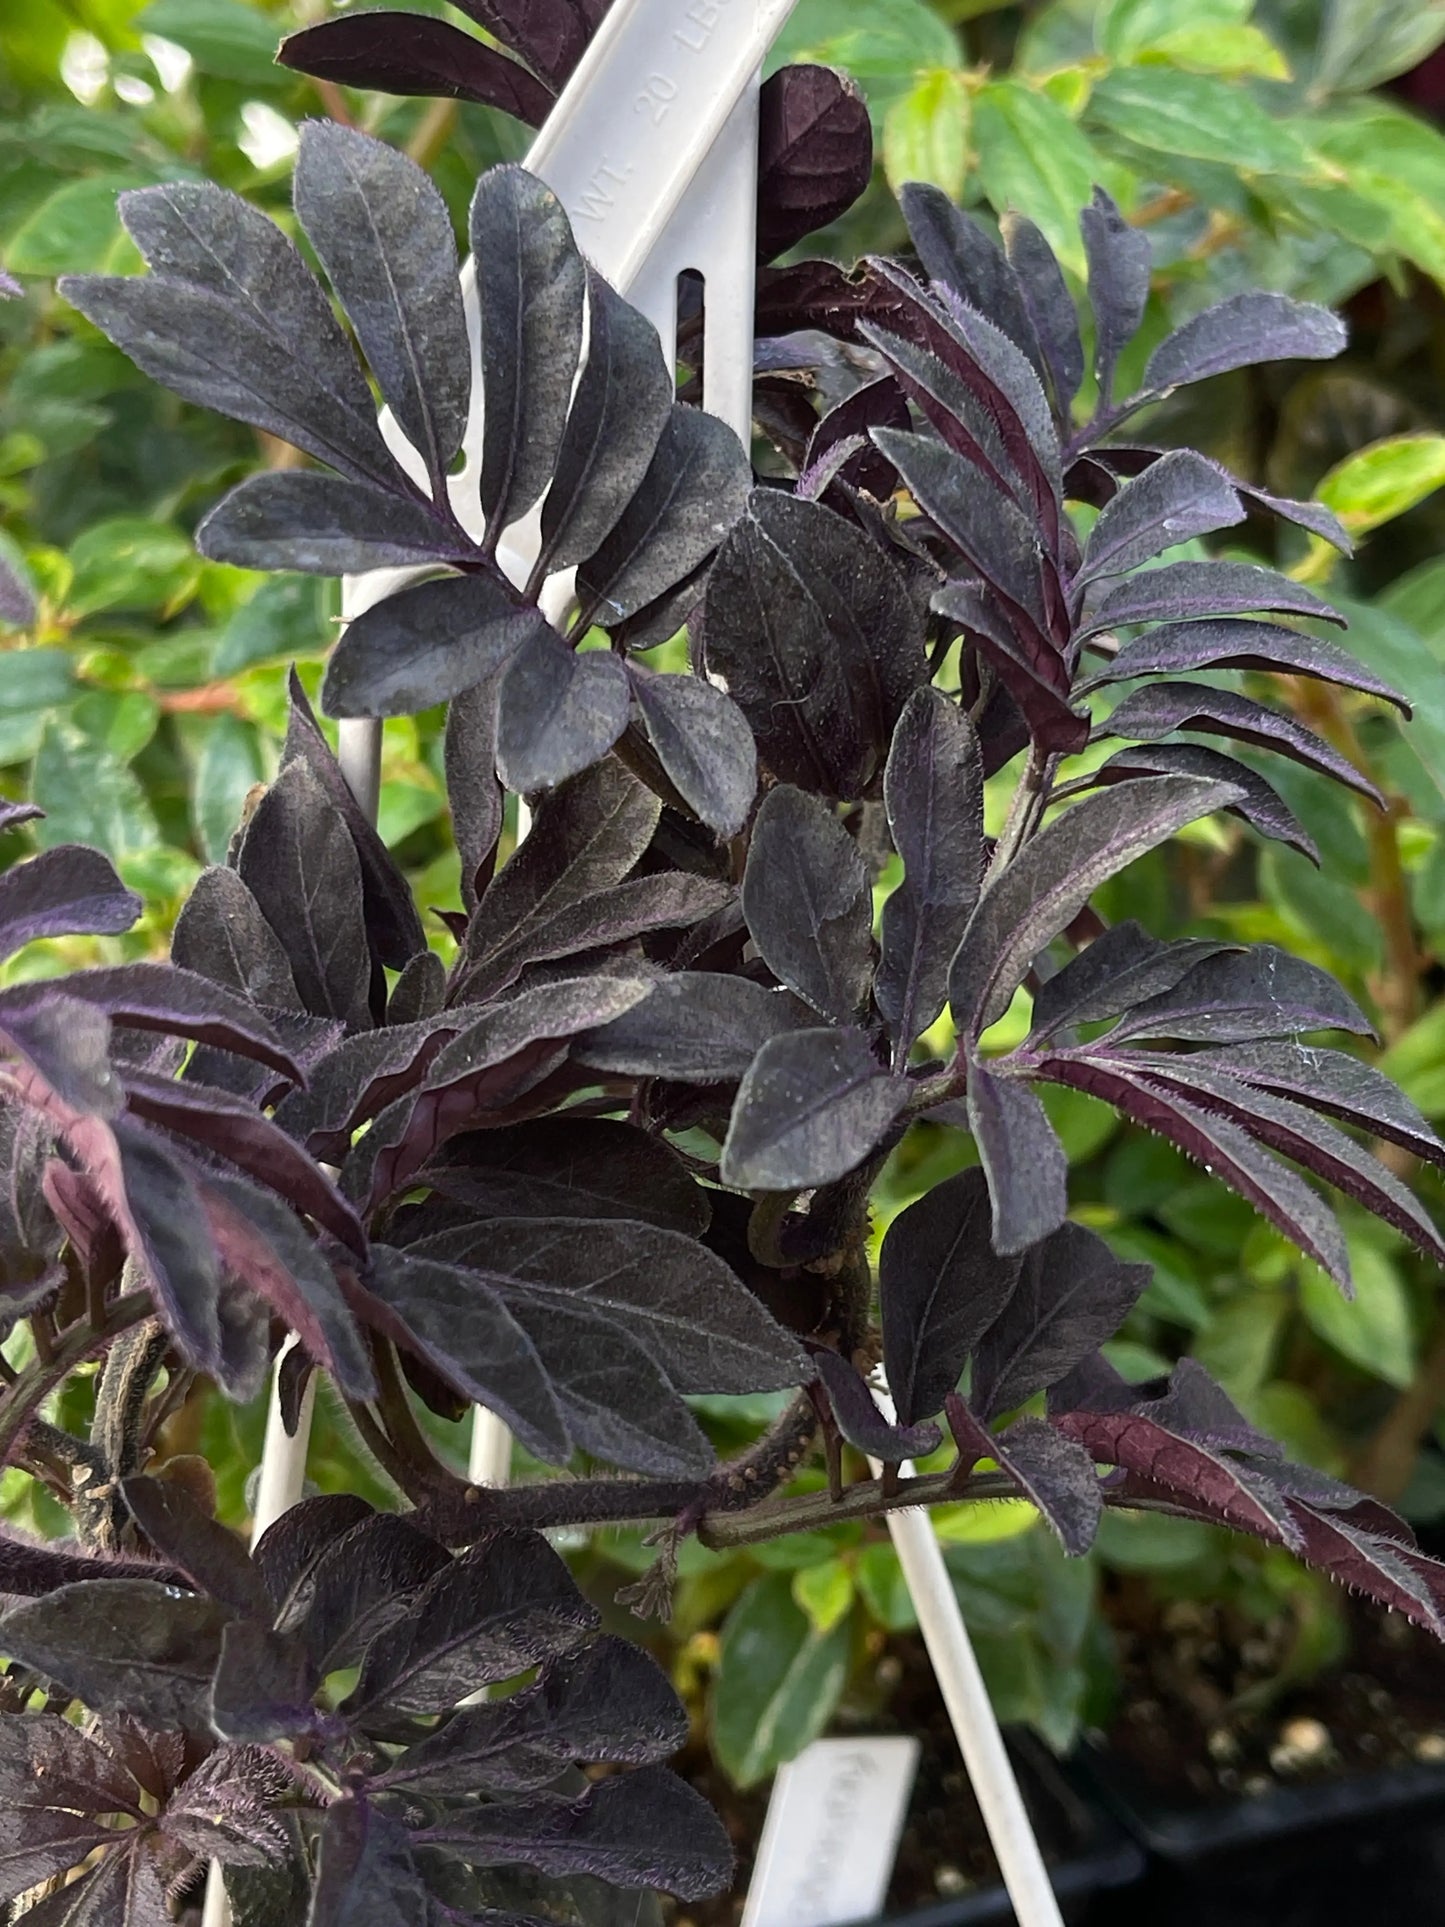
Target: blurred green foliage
<point x="1263" y="143"/>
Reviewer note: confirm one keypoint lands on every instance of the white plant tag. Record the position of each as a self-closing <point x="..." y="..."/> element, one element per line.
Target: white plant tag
<point x="831" y="1834"/>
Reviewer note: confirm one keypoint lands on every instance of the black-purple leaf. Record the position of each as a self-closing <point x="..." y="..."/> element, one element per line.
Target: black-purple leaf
<point x="531" y="281"/>
<point x="1018" y="382"/>
<point x="991" y="532"/>
<point x="28" y="1571"/>
<point x="366" y="1870"/>
<point x="322" y="524"/>
<point x="608" y="1701"/>
<point x="1237" y="995"/>
<point x="161" y="997"/>
<point x="1302" y="1135"/>
<point x="933" y="792"/>
<point x="221" y="935"/>
<point x="212" y="241"/>
<point x="460" y="1326"/>
<point x="63" y="892"/>
<point x="962" y="418"/>
<point x="580" y="1167"/>
<point x="67" y="1043"/>
<point x="262" y="1245"/>
<point x="246" y="1137"/>
<point x="1177" y="498"/>
<point x="212" y="1556"/>
<point x="1050" y="307"/>
<point x="359" y="1583"/>
<point x="169" y="1235"/>
<point x="1119" y="258"/>
<point x="1243" y="645"/>
<point x="393" y="925"/>
<point x="703" y="742"/>
<point x="860" y="1421"/>
<point x="1240" y="331"/>
<point x="426" y="644"/>
<point x="473" y="791"/>
<point x="1160" y="708"/>
<point x="815" y="154"/>
<point x="1374" y="1563"/>
<point x="217" y="353"/>
<point x="584" y="838"/>
<point x="1031" y="669"/>
<point x="1335" y="1082"/>
<point x="410" y="53"/>
<point x="807" y="902"/>
<point x="642" y="1829"/>
<point x="123" y="1646"/>
<point x="549" y="35"/>
<point x="666" y="900"/>
<point x="1051" y="880"/>
<point x="1072" y="1293"/>
<point x="502" y="1606"/>
<point x="623" y="402"/>
<point x="695" y="488"/>
<point x="813" y="1105"/>
<point x="957" y="252"/>
<point x="705" y="1329"/>
<point x="941" y="1284"/>
<point x="695" y="1026"/>
<point x="1022" y="1158"/>
<point x="360" y="1078"/>
<point x="385" y="238"/>
<point x="1225" y="1150"/>
<point x="1049" y="1469"/>
<point x="558" y="711"/>
<point x="810" y="629"/>
<point x="1181" y="591"/>
<point x="1222" y="1486"/>
<point x="1260" y="805"/>
<point x="290" y="1547"/>
<point x="58" y="1789"/>
<point x="840" y="449"/>
<point x="1119" y="969"/>
<point x="300" y="863"/>
<point x="615" y="1397"/>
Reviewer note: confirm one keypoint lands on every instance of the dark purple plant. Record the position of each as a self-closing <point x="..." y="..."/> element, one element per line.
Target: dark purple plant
<point x="619" y="1153"/>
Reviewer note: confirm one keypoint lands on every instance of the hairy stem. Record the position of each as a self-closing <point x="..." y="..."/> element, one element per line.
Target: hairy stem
<point x="41" y="1377"/>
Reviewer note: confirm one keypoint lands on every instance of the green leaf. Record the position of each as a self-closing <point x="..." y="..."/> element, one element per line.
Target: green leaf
<point x="228" y="768"/>
<point x="883" y="1589"/>
<point x="223" y="37"/>
<point x="778" y="1681"/>
<point x="1124" y="28"/>
<point x="1198" y="117"/>
<point x="75" y="231"/>
<point x="1151" y="1542"/>
<point x="1379" y="482"/>
<point x="33" y="682"/>
<point x="1033" y="158"/>
<point x="982" y="1522"/>
<point x="824" y="1592"/>
<point x="1396" y="162"/>
<point x="89" y="795"/>
<point x="1221" y="50"/>
<point x="925" y="133"/>
<point x="1413" y="663"/>
<point x="1374" y="1331"/>
<point x="884" y="44"/>
<point x="129" y="562"/>
<point x="1366" y="41"/>
<point x="285" y="618"/>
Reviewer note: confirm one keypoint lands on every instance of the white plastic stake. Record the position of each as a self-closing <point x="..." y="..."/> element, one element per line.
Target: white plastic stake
<point x="970" y="1711"/>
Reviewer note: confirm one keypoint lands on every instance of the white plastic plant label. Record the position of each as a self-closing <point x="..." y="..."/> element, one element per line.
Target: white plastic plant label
<point x="831" y="1835"/>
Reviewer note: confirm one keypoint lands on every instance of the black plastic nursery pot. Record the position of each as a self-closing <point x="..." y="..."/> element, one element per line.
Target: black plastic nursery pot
<point x="1090" y="1856"/>
<point x="1360" y="1850"/>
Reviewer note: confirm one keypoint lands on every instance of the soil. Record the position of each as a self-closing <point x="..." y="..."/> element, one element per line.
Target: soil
<point x="1203" y="1719"/>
